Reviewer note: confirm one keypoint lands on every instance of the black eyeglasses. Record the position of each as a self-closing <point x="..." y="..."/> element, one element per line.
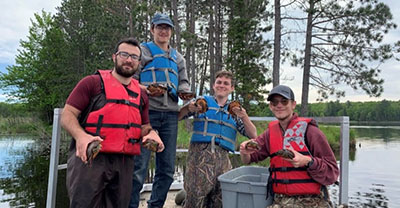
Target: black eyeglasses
<point x="163" y="27"/>
<point x="126" y="55"/>
<point x="276" y="102"/>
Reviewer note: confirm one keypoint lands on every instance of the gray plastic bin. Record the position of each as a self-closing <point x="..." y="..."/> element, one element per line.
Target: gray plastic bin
<point x="245" y="187"/>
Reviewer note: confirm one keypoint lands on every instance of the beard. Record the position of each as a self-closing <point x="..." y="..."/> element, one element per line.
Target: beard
<point x="119" y="68"/>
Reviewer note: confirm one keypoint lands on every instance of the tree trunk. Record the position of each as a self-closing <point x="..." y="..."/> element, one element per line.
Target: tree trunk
<point x="211" y="41"/>
<point x="176" y="23"/>
<point x="307" y="62"/>
<point x="218" y="36"/>
<point x="193" y="47"/>
<point x="277" y="44"/>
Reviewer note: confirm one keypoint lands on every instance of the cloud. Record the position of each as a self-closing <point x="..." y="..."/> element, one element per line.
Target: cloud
<point x="15" y="22"/>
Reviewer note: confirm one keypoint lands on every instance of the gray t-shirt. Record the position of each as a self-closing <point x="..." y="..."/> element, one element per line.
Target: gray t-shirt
<point x="157" y="103"/>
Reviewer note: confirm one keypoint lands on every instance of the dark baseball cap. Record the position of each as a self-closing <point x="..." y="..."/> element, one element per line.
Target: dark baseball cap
<point x="283" y="91"/>
<point x="160" y="18"/>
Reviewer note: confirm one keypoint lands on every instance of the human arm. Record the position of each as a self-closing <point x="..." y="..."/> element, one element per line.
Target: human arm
<point x="249" y="127"/>
<point x="183" y="85"/>
<point x="324" y="168"/>
<point x="149" y="133"/>
<point x="69" y="121"/>
<point x="249" y="155"/>
<point x="188" y="109"/>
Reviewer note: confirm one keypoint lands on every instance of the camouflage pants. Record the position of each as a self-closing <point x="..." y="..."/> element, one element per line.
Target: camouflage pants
<point x="202" y="170"/>
<point x="304" y="201"/>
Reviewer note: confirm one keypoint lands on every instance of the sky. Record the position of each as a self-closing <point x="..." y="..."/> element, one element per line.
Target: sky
<point x="15" y="20"/>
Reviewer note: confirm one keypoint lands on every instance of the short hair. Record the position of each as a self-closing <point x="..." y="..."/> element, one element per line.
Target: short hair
<point x="130" y="41"/>
<point x="227" y="74"/>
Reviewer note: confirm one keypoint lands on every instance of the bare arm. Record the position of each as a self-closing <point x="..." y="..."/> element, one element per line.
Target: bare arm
<point x="249" y="127"/>
<point x="189" y="108"/>
<point x="69" y="121"/>
<point x="245" y="152"/>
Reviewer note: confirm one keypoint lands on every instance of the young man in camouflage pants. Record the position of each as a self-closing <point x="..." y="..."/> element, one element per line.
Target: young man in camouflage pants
<point x="214" y="135"/>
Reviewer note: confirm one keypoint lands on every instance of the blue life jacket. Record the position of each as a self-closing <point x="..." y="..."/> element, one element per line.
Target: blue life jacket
<point x="215" y="126"/>
<point x="163" y="69"/>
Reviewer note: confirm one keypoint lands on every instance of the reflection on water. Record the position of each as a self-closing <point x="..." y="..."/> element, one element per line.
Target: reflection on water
<point x="374" y="173"/>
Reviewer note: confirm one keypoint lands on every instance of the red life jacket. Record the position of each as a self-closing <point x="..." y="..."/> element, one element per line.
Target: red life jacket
<point x="119" y="121"/>
<point x="287" y="179"/>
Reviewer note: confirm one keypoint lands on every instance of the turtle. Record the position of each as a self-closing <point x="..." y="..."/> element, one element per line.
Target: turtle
<point x="156" y="88"/>
<point x="203" y="103"/>
<point x="285" y="153"/>
<point x="232" y="105"/>
<point x="186" y="95"/>
<point x="151" y="145"/>
<point x="92" y="150"/>
<point x="253" y="145"/>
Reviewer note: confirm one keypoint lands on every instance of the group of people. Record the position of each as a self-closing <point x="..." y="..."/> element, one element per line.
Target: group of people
<point x="115" y="108"/>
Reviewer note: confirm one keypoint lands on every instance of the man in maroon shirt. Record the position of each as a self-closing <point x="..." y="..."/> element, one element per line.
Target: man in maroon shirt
<point x="299" y="177"/>
<point x="119" y="109"/>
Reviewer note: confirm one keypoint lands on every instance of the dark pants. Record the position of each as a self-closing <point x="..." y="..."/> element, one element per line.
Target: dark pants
<point x="166" y="123"/>
<point x="106" y="182"/>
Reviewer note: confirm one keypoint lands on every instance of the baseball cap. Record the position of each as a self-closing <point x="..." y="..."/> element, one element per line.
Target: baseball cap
<point x="161" y="18"/>
<point x="282" y="90"/>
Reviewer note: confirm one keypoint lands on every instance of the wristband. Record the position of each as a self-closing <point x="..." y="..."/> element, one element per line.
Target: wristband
<point x="310" y="163"/>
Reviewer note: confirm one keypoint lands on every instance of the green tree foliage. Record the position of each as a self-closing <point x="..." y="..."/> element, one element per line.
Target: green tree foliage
<point x="248" y="49"/>
<point x="80" y="39"/>
<point x="358" y="111"/>
<point x="39" y="74"/>
<point x="345" y="46"/>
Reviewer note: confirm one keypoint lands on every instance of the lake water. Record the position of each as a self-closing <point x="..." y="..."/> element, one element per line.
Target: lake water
<point x="374" y="173"/>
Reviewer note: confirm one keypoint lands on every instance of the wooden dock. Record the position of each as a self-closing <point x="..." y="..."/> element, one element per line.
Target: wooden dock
<point x="169" y="203"/>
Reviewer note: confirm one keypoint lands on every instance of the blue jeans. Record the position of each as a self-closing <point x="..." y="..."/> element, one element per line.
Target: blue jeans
<point x="166" y="123"/>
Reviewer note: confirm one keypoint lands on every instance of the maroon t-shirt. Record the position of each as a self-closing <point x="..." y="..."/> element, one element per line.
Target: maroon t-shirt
<point x="90" y="86"/>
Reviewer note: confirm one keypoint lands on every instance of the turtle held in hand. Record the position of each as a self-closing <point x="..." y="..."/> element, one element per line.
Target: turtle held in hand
<point x="156" y="89"/>
<point x="203" y="103"/>
<point x="232" y="105"/>
<point x="285" y="153"/>
<point x="151" y="145"/>
<point x="186" y="95"/>
<point x="252" y="145"/>
<point x="92" y="150"/>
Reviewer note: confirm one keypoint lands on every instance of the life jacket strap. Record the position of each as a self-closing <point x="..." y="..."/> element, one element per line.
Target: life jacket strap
<point x="122" y="101"/>
<point x="206" y="120"/>
<point x="215" y="136"/>
<point x="290" y="181"/>
<point x="134" y="140"/>
<point x="301" y="152"/>
<point x="107" y="125"/>
<point x="286" y="169"/>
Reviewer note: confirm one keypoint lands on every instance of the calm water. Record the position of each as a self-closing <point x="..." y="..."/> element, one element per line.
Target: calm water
<point x="374" y="173"/>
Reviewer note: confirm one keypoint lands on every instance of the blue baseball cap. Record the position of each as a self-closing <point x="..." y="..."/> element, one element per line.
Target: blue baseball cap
<point x="161" y="18"/>
<point x="283" y="91"/>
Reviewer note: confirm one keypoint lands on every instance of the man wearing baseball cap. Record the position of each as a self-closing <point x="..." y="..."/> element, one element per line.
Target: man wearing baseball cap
<point x="298" y="178"/>
<point x="161" y="65"/>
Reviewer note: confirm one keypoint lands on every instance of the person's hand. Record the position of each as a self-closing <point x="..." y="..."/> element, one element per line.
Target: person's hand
<point x="156" y="90"/>
<point x="82" y="144"/>
<point x="239" y="112"/>
<point x="193" y="108"/>
<point x="152" y="135"/>
<point x="247" y="148"/>
<point x="299" y="159"/>
<point x="186" y="95"/>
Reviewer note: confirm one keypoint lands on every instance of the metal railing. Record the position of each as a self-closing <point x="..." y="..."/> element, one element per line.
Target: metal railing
<point x="344" y="122"/>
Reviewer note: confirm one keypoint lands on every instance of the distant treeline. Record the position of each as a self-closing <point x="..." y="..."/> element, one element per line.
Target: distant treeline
<point x="384" y="110"/>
